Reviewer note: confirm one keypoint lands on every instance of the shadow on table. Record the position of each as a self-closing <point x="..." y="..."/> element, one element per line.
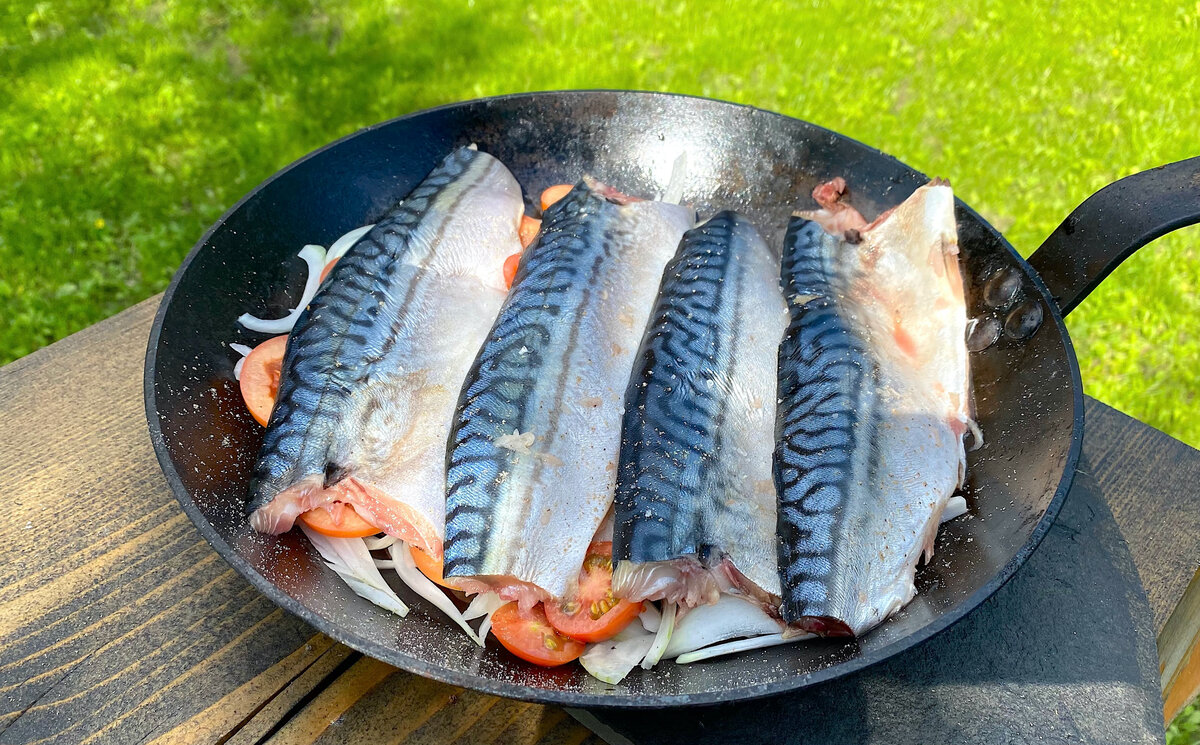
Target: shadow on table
<point x="1032" y="664"/>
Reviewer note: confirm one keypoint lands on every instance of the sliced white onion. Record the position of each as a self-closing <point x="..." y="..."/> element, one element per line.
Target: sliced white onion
<point x="976" y="434"/>
<point x="242" y="350"/>
<point x="339" y="247"/>
<point x="673" y="194"/>
<point x="482" y="604"/>
<point x="314" y="256"/>
<point x="379" y="543"/>
<point x="610" y="661"/>
<point x="662" y="637"/>
<point x="741" y="645"/>
<point x="650" y="617"/>
<point x="384" y="564"/>
<point x="728" y="618"/>
<point x="352" y="561"/>
<point x="409" y="574"/>
<point x="956" y="506"/>
<point x="486" y="626"/>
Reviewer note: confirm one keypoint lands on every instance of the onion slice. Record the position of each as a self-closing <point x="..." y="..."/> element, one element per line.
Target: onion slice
<point x="662" y="637"/>
<point x="610" y="661"/>
<point x="728" y="618"/>
<point x="409" y="574"/>
<point x="379" y="543"/>
<point x="673" y="193"/>
<point x="339" y="247"/>
<point x="741" y="645"/>
<point x="484" y="604"/>
<point x="314" y="256"/>
<point x="242" y="350"/>
<point x="956" y="506"/>
<point x="352" y="561"/>
<point x="650" y="617"/>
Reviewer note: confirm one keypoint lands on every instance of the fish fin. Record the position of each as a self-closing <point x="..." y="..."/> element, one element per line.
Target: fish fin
<point x="610" y="193"/>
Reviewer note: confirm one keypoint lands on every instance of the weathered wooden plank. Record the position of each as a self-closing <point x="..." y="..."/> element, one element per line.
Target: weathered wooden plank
<point x="1152" y="484"/>
<point x="1179" y="652"/>
<point x="118" y="623"/>
<point x="1153" y="487"/>
<point x="249" y="711"/>
<point x="403" y="708"/>
<point x="128" y="628"/>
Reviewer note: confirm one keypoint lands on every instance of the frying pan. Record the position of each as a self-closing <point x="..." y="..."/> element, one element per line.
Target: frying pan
<point x="1026" y="380"/>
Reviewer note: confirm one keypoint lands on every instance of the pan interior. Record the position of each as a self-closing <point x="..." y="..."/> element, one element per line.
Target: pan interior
<point x="737" y="157"/>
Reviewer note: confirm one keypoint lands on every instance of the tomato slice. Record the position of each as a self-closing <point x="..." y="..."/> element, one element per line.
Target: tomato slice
<point x="430" y="567"/>
<point x="530" y="636"/>
<point x="555" y="193"/>
<point x="592" y="614"/>
<point x="510" y="269"/>
<point x="260" y="377"/>
<point x="338" y="520"/>
<point x="528" y="230"/>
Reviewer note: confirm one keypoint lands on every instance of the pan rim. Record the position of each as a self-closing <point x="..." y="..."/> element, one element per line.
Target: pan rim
<point x="571" y="698"/>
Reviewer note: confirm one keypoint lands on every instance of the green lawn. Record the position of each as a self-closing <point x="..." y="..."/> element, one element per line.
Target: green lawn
<point x="127" y="127"/>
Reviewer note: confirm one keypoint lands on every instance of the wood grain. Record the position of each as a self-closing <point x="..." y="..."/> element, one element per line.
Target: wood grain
<point x="119" y="624"/>
<point x="1154" y="491"/>
<point x="1153" y="487"/>
<point x="1179" y="652"/>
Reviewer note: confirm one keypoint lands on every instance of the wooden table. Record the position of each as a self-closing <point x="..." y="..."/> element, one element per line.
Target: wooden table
<point x="118" y="623"/>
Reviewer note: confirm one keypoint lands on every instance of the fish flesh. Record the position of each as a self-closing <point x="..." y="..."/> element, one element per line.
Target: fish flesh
<point x="373" y="368"/>
<point x="532" y="458"/>
<point x="695" y="500"/>
<point x="874" y="399"/>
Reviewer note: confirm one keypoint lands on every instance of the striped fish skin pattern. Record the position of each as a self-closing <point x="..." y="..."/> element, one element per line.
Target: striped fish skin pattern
<point x="531" y="463"/>
<point x="873" y="403"/>
<point x="695" y="476"/>
<point x="373" y="368"/>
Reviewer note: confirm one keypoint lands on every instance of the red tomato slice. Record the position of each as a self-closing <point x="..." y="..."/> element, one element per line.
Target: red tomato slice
<point x="592" y="614"/>
<point x="530" y="636"/>
<point x="555" y="193"/>
<point x="528" y="230"/>
<point x="510" y="269"/>
<point x="338" y="520"/>
<point x="260" y="377"/>
<point x="430" y="567"/>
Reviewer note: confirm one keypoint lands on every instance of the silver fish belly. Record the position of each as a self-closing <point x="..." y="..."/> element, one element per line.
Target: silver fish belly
<point x="874" y="400"/>
<point x="694" y="486"/>
<point x="373" y="368"/>
<point x="531" y="462"/>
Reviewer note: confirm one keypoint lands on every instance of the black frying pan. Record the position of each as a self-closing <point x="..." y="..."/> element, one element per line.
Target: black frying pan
<point x="1027" y="386"/>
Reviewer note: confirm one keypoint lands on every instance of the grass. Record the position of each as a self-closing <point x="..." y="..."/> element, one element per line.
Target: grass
<point x="128" y="127"/>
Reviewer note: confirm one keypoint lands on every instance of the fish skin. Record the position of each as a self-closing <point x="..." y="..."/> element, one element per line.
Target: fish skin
<point x="695" y="476"/>
<point x="531" y="463"/>
<point x="372" y="371"/>
<point x="874" y="400"/>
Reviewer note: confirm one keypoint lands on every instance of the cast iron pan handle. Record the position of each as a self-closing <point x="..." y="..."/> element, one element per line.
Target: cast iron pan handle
<point x="1112" y="224"/>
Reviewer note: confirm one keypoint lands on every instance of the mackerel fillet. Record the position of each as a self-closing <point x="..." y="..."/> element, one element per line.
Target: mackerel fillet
<point x="374" y="366"/>
<point x="874" y="401"/>
<point x="532" y="458"/>
<point x="695" y="502"/>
